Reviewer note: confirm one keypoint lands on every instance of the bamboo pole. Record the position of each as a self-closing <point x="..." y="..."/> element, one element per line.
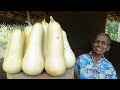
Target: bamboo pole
<point x="28" y="16"/>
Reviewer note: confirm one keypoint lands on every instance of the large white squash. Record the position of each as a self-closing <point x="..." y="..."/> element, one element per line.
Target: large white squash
<point x="55" y="62"/>
<point x="68" y="53"/>
<point x="45" y="25"/>
<point x="33" y="62"/>
<point x="14" y="54"/>
<point x="27" y="31"/>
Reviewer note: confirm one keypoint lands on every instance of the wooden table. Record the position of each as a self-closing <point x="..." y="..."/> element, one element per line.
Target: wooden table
<point x="67" y="75"/>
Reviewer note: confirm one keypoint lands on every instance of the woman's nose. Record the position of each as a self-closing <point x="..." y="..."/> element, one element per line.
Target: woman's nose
<point x="99" y="44"/>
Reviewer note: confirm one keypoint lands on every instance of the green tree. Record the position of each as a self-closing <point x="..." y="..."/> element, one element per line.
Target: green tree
<point x="112" y="29"/>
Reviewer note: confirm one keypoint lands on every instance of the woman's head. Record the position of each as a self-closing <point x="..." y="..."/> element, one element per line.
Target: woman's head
<point x="101" y="43"/>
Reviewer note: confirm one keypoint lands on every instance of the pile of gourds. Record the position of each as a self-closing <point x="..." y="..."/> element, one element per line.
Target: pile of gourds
<point x="37" y="47"/>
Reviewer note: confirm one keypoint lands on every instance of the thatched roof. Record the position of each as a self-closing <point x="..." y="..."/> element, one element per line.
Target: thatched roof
<point x="21" y="16"/>
<point x="114" y="15"/>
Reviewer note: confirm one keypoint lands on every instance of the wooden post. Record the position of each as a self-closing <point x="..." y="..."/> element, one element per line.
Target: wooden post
<point x="28" y="16"/>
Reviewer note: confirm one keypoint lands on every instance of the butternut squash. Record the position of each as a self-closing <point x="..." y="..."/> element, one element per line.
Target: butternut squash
<point x="33" y="62"/>
<point x="27" y="31"/>
<point x="68" y="53"/>
<point x="55" y="62"/>
<point x="45" y="25"/>
<point x="13" y="58"/>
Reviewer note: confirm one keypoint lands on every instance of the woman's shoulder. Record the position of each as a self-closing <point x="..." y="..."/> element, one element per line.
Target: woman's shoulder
<point x="83" y="58"/>
<point x="107" y="61"/>
<point x="85" y="55"/>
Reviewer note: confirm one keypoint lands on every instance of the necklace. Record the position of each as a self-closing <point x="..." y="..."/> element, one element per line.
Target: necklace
<point x="95" y="67"/>
<point x="95" y="64"/>
<point x="95" y="61"/>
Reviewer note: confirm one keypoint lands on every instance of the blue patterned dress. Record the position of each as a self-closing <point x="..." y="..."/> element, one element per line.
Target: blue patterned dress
<point x="85" y="68"/>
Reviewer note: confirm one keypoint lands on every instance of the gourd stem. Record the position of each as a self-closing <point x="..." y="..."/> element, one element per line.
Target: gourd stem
<point x="28" y="18"/>
<point x="29" y="24"/>
<point x="51" y="19"/>
<point x="43" y="20"/>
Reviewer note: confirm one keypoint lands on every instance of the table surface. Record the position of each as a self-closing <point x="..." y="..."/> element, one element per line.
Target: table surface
<point x="67" y="75"/>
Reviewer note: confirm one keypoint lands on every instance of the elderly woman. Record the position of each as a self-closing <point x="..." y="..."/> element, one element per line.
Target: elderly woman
<point x="94" y="65"/>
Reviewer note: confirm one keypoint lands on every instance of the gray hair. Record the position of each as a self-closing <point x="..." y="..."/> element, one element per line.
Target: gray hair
<point x="108" y="37"/>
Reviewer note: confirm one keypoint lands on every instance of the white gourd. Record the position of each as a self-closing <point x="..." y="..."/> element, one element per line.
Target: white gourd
<point x="68" y="53"/>
<point x="27" y="31"/>
<point x="33" y="62"/>
<point x="45" y="25"/>
<point x="55" y="62"/>
<point x="13" y="58"/>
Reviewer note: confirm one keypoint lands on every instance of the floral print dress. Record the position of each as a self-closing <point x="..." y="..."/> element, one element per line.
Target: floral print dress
<point x="85" y="68"/>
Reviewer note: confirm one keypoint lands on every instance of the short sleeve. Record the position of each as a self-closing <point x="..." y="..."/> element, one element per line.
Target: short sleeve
<point x="112" y="73"/>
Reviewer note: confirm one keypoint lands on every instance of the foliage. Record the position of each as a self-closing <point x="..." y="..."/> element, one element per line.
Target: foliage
<point x="112" y="29"/>
<point x="5" y="32"/>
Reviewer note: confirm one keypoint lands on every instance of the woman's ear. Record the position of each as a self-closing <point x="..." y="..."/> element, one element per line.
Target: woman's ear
<point x="108" y="48"/>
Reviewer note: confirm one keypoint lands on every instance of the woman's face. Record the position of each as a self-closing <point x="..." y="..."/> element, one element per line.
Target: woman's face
<point x="101" y="45"/>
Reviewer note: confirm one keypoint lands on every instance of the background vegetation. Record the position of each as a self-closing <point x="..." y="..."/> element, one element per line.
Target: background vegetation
<point x="112" y="29"/>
